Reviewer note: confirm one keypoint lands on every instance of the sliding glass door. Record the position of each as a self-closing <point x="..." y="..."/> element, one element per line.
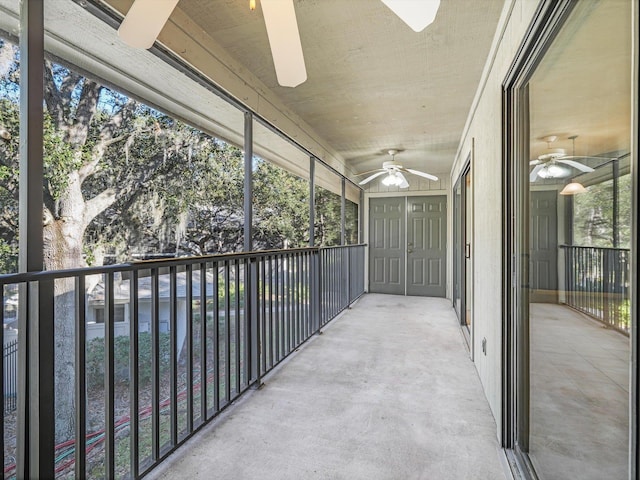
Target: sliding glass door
<point x="462" y="230"/>
<point x="569" y="307"/>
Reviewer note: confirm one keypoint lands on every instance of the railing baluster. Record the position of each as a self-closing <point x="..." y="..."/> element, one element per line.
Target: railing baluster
<point x="216" y="339"/>
<point x="272" y="336"/>
<point x="264" y="345"/>
<point x="189" y="346"/>
<point x="237" y="326"/>
<point x="248" y="310"/>
<point x="227" y="320"/>
<point x="305" y="297"/>
<point x="204" y="389"/>
<point x="173" y="355"/>
<point x="290" y="319"/>
<point x="133" y="373"/>
<point x="109" y="378"/>
<point x="81" y="379"/>
<point x="296" y="297"/>
<point x="155" y="365"/>
<point x="2" y="383"/>
<point x="277" y="309"/>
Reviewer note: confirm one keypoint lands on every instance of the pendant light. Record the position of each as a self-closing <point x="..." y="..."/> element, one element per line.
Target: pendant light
<point x="573" y="187"/>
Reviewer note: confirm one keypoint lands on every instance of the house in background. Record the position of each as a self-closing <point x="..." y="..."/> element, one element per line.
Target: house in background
<point x="95" y="315"/>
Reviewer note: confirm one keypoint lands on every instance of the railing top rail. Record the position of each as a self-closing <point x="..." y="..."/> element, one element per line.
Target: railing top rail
<point x="11" y="278"/>
<point x="584" y="247"/>
<point x="344" y="246"/>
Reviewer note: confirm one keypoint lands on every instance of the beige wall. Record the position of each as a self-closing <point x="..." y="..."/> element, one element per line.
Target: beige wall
<point x="482" y="137"/>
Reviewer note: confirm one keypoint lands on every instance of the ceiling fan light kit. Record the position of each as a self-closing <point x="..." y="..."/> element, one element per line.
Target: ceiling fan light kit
<point x="395" y="179"/>
<point x="395" y="173"/>
<point x="553" y="170"/>
<point x="555" y="162"/>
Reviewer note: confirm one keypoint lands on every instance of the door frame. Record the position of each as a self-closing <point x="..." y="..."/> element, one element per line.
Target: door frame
<point x="465" y="224"/>
<point x="548" y="20"/>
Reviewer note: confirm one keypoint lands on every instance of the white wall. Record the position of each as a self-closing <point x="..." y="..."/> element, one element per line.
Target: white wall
<point x="483" y="137"/>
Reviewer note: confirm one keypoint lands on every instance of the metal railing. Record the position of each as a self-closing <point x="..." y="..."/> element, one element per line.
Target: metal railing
<point x="598" y="283"/>
<point x="199" y="333"/>
<point x="10" y="380"/>
<point x="339" y="288"/>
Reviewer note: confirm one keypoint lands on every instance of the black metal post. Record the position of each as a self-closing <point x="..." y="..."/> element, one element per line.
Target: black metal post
<point x="312" y="201"/>
<point x="343" y="208"/>
<point x="248" y="181"/>
<point x="254" y="344"/>
<point x="36" y="410"/>
<point x="361" y="218"/>
<point x="616" y="199"/>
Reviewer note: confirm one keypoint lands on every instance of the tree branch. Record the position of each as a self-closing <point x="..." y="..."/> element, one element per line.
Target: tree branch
<point x="52" y="97"/>
<point x="98" y="204"/>
<point x="85" y="110"/>
<point x="107" y="138"/>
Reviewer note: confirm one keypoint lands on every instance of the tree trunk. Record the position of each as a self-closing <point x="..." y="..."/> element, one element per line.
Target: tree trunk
<point x="63" y="238"/>
<point x="62" y="251"/>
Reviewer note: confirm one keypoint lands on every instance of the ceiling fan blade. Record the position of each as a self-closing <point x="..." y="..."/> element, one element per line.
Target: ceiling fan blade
<point x="404" y="183"/>
<point x="533" y="176"/>
<point x="370" y="171"/>
<point x="375" y="175"/>
<point x="418" y="14"/>
<point x="144" y="21"/>
<point x="284" y="39"/>
<point x="422" y="174"/>
<point x="585" y="157"/>
<point x="535" y="161"/>
<point x="574" y="164"/>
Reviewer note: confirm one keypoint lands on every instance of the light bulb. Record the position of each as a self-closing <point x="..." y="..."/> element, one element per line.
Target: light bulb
<point x="554" y="171"/>
<point x="252" y="5"/>
<point x="391" y="180"/>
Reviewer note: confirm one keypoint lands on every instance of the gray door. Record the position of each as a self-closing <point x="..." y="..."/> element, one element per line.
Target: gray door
<point x="387" y="245"/>
<point x="407" y="232"/>
<point x="544" y="246"/>
<point x="426" y="246"/>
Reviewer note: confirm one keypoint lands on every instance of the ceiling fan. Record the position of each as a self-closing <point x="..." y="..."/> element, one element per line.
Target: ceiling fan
<point x="556" y="163"/>
<point x="395" y="173"/>
<point x="145" y="20"/>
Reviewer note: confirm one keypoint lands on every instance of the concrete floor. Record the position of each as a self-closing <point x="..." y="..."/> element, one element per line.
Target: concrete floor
<point x="579" y="396"/>
<point x="387" y="392"/>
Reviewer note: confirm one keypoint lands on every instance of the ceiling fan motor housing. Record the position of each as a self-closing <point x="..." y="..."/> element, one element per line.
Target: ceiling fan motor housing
<point x="391" y="165"/>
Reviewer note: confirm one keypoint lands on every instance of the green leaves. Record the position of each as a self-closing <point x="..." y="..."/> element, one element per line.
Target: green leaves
<point x="59" y="159"/>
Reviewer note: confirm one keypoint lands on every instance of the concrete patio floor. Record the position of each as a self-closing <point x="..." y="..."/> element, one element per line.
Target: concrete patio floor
<point x="387" y="392"/>
<point x="579" y="396"/>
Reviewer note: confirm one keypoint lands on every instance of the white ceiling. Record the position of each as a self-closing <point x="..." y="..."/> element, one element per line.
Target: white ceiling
<point x="582" y="87"/>
<point x="373" y="83"/>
